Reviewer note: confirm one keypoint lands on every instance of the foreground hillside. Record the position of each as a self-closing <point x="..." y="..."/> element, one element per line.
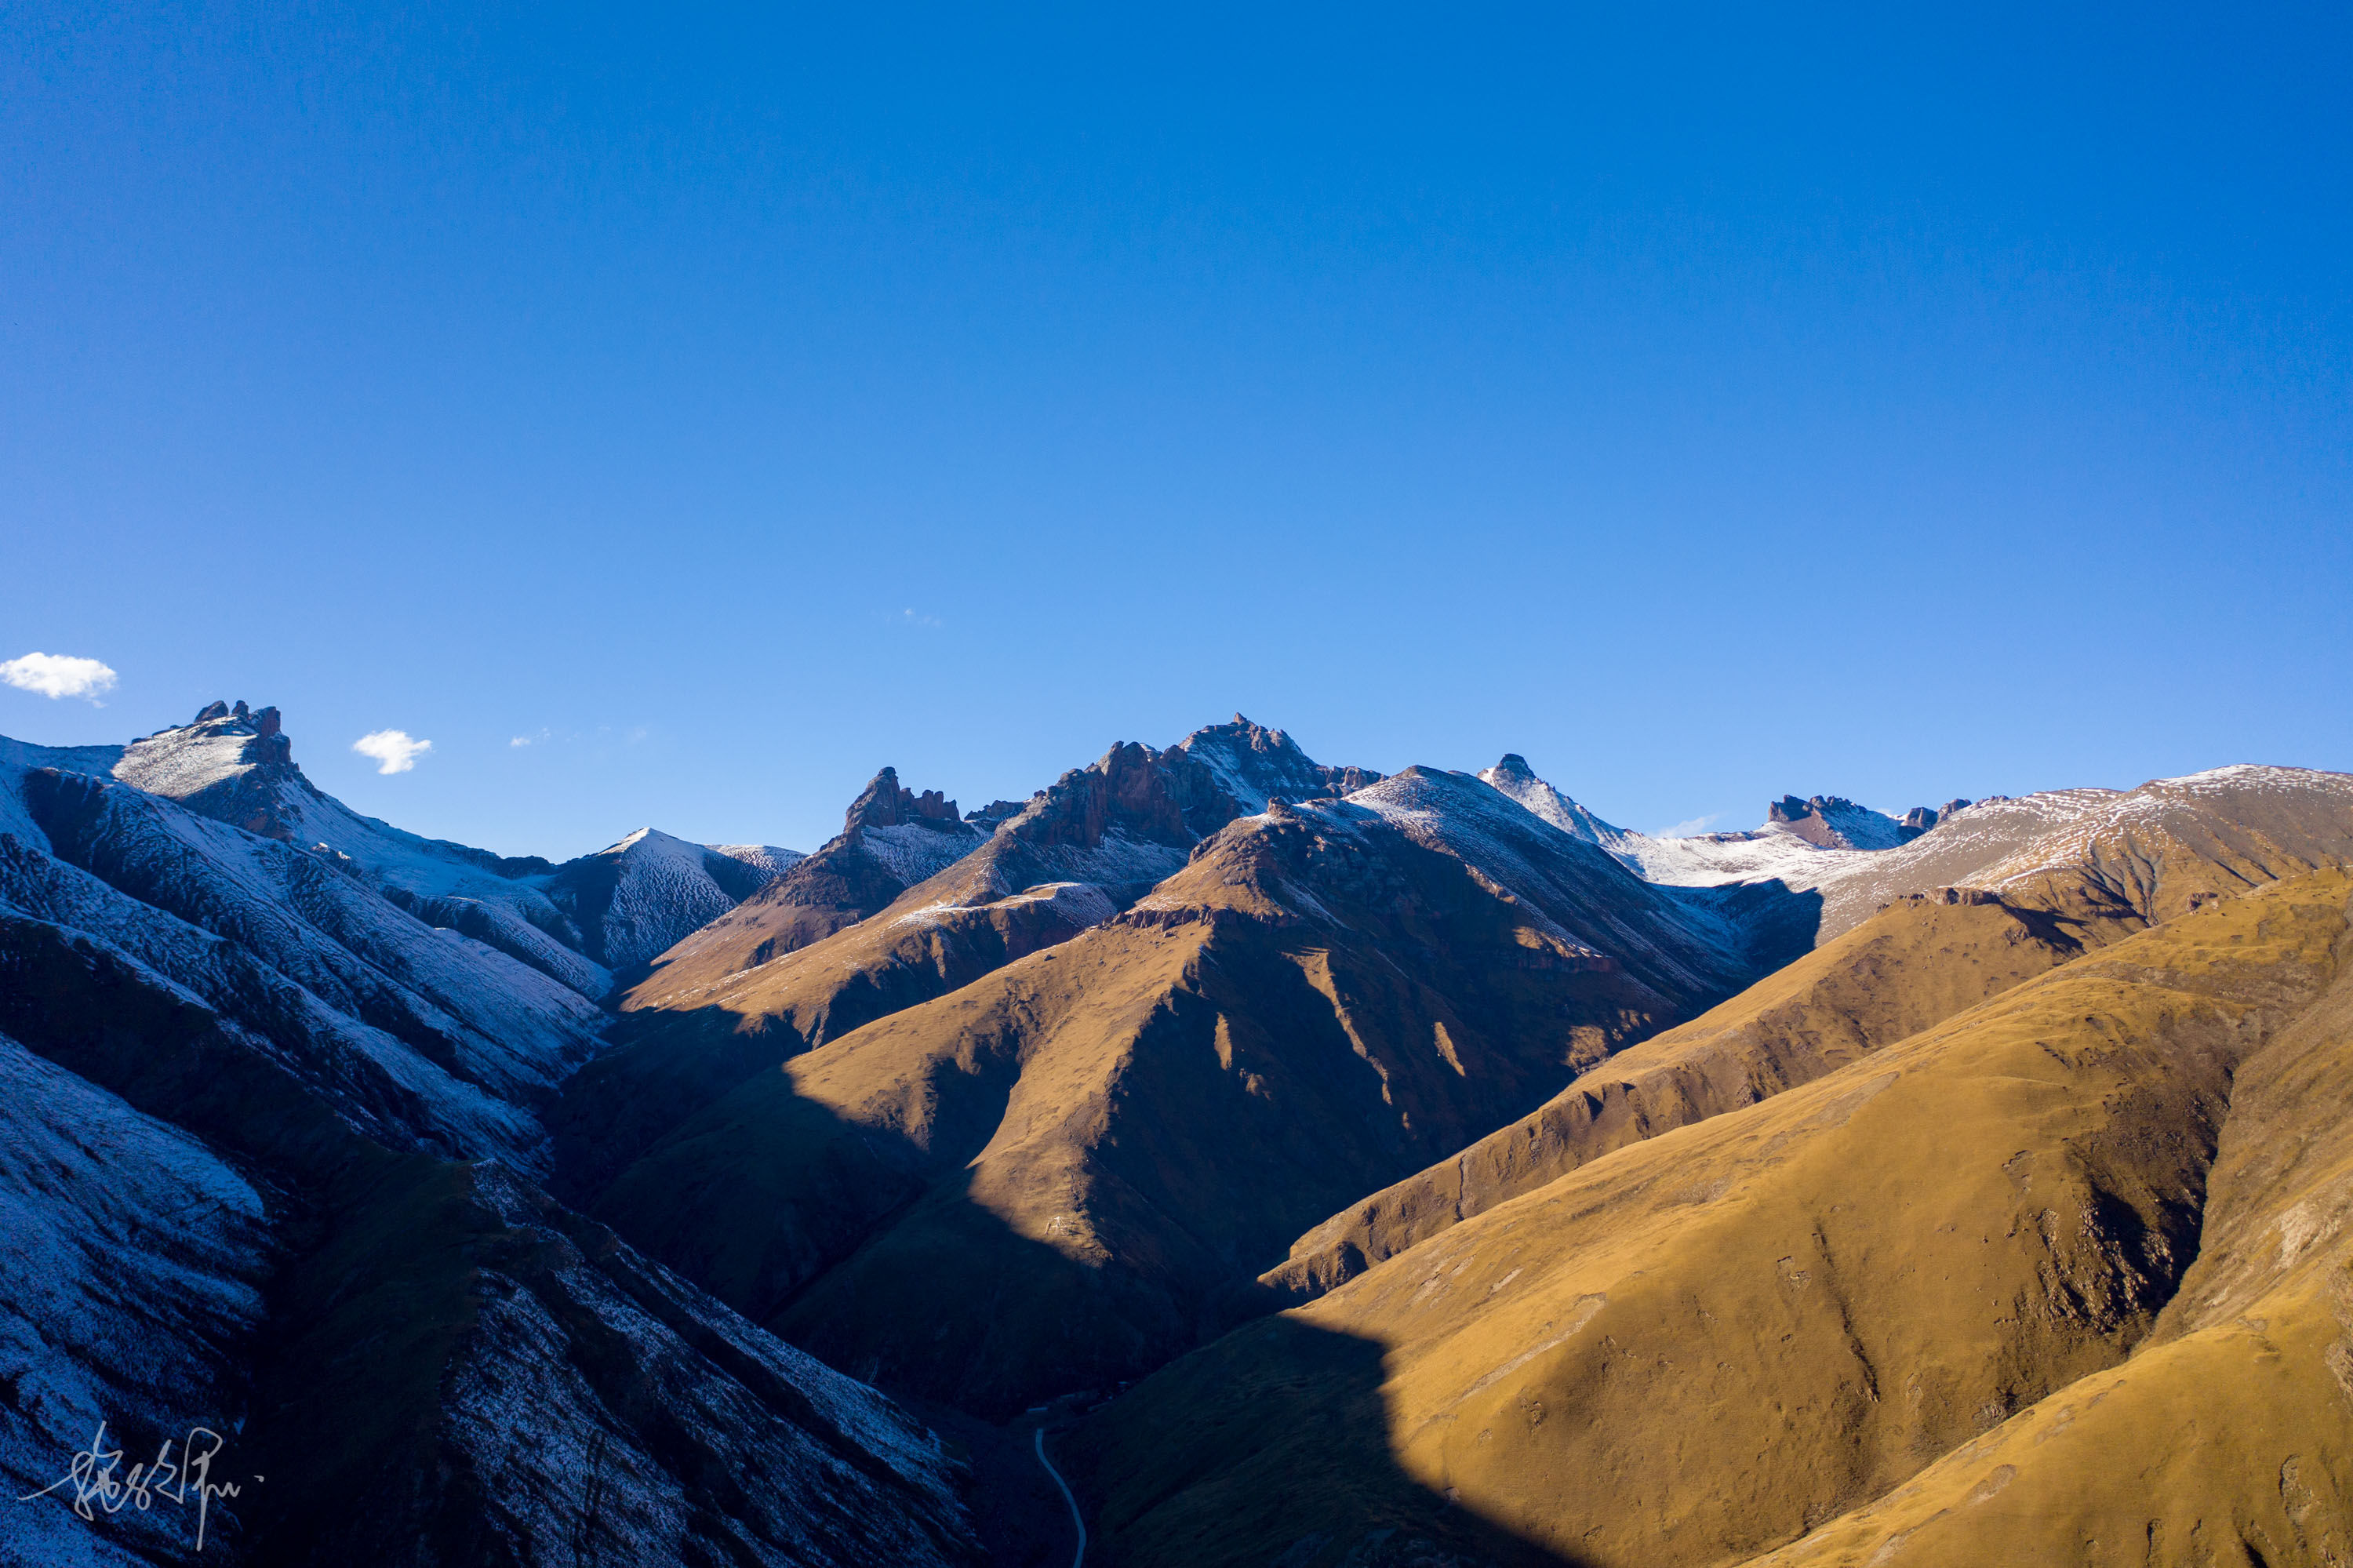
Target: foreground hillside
<point x="2065" y="1267"/>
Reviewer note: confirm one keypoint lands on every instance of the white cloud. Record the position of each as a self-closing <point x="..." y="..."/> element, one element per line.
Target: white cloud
<point x="1686" y="829"/>
<point x="916" y="617"/>
<point x="392" y="749"/>
<point x="58" y="675"/>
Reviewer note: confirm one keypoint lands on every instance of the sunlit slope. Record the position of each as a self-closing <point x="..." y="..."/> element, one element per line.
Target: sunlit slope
<point x="2229" y="1437"/>
<point x="1103" y="1143"/>
<point x="2041" y="877"/>
<point x="1697" y="1348"/>
<point x="1914" y="965"/>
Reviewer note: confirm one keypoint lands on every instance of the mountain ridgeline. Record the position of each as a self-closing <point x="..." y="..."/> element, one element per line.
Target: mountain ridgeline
<point x="1344" y="1168"/>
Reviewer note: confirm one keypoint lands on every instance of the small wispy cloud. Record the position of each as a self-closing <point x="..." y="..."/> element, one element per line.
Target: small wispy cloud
<point x="394" y="749"/>
<point x="917" y="618"/>
<point x="544" y="737"/>
<point x="57" y="675"/>
<point x="1687" y="828"/>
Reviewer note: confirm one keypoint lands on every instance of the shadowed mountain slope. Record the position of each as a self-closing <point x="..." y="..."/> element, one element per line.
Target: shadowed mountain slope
<point x="1698" y="1347"/>
<point x="1105" y="1140"/>
<point x="1253" y="765"/>
<point x="236" y="1068"/>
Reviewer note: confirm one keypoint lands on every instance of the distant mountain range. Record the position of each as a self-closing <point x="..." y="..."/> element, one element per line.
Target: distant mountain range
<point x="1394" y="1170"/>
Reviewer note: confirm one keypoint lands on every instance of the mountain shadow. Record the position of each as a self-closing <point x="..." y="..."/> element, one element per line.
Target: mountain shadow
<point x="1175" y="1479"/>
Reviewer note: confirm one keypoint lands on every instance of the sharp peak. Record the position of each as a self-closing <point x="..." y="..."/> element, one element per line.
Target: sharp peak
<point x="630" y="840"/>
<point x="886" y="803"/>
<point x="1249" y="734"/>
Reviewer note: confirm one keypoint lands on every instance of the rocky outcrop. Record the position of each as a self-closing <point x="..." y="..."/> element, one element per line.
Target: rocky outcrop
<point x="1832" y="821"/>
<point x="885" y="803"/>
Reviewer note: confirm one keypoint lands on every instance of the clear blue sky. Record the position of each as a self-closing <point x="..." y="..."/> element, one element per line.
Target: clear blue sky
<point x="1748" y="400"/>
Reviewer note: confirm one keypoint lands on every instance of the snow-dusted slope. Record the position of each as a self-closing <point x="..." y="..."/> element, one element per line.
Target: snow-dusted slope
<point x="2147" y="849"/>
<point x="769" y="859"/>
<point x="267" y="1138"/>
<point x="238" y="768"/>
<point x="643" y="894"/>
<point x="1791" y="844"/>
<point x="379" y="1330"/>
<point x="376" y="1083"/>
<point x="1711" y="860"/>
<point x="575" y="923"/>
<point x="1513" y="777"/>
<point x="468" y="1007"/>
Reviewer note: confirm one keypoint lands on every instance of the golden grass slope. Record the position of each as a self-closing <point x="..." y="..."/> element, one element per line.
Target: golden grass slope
<point x="1699" y="1348"/>
<point x="2228" y="1438"/>
<point x="1916" y="963"/>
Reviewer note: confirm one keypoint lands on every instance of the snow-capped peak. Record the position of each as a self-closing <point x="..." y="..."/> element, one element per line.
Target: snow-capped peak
<point x="224" y="752"/>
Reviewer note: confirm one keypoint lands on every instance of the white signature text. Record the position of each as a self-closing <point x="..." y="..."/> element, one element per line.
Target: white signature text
<point x="98" y="1484"/>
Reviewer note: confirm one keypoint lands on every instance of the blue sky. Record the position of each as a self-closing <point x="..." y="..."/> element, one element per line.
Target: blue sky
<point x="1707" y="406"/>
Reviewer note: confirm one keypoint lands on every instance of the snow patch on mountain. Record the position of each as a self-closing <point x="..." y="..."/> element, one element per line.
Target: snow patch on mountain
<point x="1774" y="851"/>
<point x="766" y="858"/>
<point x="186" y="759"/>
<point x="1711" y="860"/>
<point x="1252" y="764"/>
<point x="379" y="1084"/>
<point x="638" y="897"/>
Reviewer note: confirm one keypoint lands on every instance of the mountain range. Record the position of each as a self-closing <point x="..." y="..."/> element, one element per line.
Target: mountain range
<point x="1335" y="1168"/>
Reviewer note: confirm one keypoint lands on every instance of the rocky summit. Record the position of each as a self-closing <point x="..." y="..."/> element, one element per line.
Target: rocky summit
<point x="1240" y="1158"/>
